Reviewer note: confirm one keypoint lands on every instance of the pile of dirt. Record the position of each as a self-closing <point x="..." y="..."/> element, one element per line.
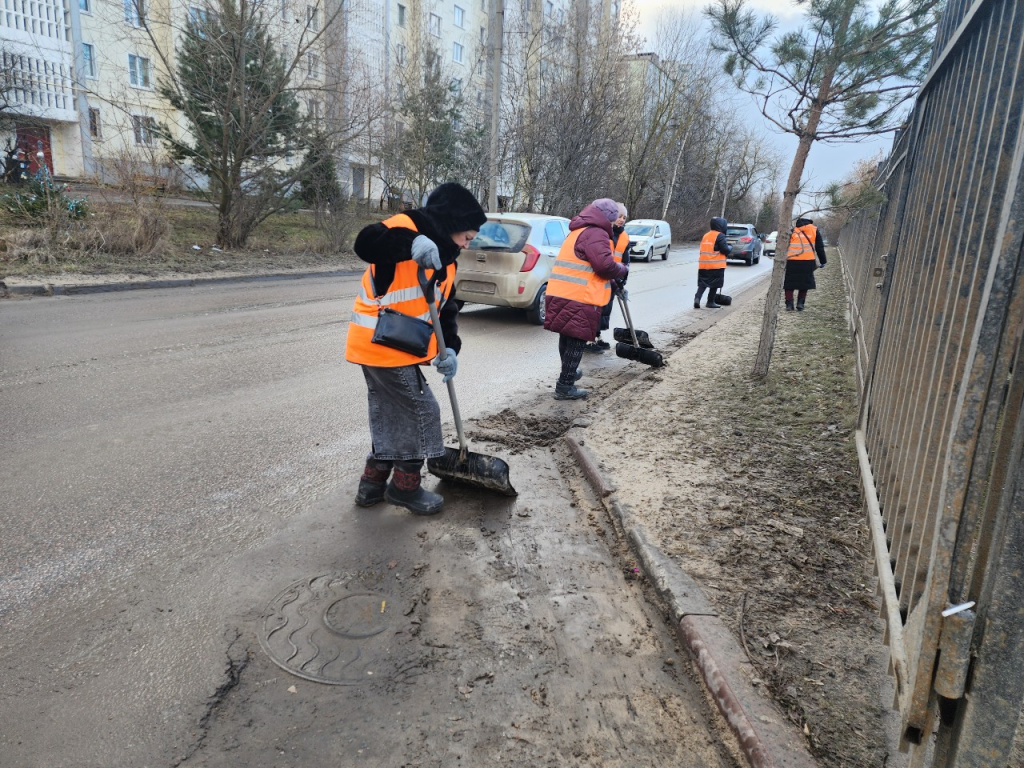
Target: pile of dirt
<point x="520" y="432"/>
<point x="752" y="487"/>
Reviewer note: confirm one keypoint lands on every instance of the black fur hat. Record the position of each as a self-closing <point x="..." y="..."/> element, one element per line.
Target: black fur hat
<point x="453" y="208"/>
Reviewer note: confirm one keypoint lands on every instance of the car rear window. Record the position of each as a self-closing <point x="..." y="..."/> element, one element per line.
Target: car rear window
<point x="500" y="236"/>
<point x="640" y="230"/>
<point x="737" y="231"/>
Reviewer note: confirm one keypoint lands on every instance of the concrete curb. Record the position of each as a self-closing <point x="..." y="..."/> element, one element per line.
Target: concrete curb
<point x="773" y="742"/>
<point x="71" y="289"/>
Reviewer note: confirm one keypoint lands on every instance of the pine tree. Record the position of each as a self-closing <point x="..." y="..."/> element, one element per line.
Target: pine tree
<point x="846" y="73"/>
<point x="231" y="85"/>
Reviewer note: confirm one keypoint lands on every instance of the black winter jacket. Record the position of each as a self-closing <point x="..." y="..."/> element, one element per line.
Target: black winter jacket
<point x="384" y="247"/>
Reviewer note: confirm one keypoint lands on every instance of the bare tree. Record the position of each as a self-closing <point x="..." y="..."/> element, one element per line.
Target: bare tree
<point x="567" y="97"/>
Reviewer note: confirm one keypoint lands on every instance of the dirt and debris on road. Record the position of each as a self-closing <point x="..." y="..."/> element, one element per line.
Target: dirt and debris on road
<point x="753" y="489"/>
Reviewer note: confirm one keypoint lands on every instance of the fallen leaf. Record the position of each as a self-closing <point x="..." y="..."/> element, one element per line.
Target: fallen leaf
<point x="292" y="689"/>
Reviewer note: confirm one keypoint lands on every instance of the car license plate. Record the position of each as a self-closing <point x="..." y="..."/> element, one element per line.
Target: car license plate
<point x="471" y="286"/>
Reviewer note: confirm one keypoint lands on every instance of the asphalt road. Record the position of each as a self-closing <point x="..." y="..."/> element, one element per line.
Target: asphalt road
<point x="173" y="459"/>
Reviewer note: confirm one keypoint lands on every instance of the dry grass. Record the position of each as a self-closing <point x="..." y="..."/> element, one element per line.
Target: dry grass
<point x="158" y="238"/>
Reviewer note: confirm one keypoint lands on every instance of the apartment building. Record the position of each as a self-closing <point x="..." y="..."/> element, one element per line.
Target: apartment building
<point x="83" y="75"/>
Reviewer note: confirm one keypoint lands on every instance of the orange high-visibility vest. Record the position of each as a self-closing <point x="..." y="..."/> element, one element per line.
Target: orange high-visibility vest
<point x="709" y="257"/>
<point x="801" y="243"/>
<point x="619" y="247"/>
<point x="573" y="278"/>
<point x="404" y="295"/>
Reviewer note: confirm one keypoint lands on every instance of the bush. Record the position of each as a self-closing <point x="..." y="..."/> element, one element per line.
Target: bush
<point x="42" y="201"/>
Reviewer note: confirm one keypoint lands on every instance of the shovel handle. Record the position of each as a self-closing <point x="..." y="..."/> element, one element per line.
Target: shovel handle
<point x="442" y="351"/>
<point x="625" y="313"/>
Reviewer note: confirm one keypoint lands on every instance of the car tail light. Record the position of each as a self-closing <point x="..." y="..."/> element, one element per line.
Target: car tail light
<point x="532" y="257"/>
<point x="746" y="239"/>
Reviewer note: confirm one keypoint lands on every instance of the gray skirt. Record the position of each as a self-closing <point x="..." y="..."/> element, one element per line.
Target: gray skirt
<point x="405" y="419"/>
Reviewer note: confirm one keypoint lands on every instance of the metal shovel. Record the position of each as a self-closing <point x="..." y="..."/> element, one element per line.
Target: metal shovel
<point x="636" y="350"/>
<point x="460" y="465"/>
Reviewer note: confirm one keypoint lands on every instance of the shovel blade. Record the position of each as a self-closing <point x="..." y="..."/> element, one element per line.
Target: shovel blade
<point x="623" y="335"/>
<point x="479" y="470"/>
<point x="646" y="356"/>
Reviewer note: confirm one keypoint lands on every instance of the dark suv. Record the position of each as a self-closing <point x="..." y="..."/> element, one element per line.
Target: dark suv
<point x="745" y="241"/>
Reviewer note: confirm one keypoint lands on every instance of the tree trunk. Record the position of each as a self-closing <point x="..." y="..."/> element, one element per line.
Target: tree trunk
<point x="675" y="174"/>
<point x="771" y="304"/>
<point x="796" y="171"/>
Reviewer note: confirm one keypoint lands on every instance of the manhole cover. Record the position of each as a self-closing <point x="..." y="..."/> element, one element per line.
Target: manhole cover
<point x="320" y="629"/>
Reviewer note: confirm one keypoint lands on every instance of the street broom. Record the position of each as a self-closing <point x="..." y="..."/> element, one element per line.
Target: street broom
<point x="640" y="350"/>
<point x="460" y="465"/>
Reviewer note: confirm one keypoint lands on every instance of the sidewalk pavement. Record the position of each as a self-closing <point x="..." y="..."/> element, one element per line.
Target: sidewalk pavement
<point x="765" y="735"/>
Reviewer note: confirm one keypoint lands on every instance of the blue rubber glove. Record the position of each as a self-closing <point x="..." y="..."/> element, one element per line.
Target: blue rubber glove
<point x="424" y="253"/>
<point x="448" y="366"/>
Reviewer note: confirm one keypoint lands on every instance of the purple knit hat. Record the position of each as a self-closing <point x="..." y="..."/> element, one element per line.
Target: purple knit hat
<point x="608" y="207"/>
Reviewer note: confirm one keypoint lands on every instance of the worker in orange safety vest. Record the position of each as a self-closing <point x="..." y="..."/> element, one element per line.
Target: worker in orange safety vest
<point x="806" y="249"/>
<point x="405" y="419"/>
<point x="714" y="248"/>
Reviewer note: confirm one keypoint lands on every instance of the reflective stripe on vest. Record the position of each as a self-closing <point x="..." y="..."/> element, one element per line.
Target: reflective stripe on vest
<point x="619" y="247"/>
<point x="709" y="257"/>
<point x="801" y="243"/>
<point x="573" y="278"/>
<point x="404" y="295"/>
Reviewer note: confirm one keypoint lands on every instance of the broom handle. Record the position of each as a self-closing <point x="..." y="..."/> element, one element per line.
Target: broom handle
<point x="625" y="313"/>
<point x="442" y="351"/>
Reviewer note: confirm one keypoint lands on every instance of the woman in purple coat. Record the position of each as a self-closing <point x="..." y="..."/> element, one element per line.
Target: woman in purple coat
<point x="580" y="286"/>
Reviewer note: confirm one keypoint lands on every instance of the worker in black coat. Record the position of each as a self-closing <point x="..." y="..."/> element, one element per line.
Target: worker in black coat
<point x="805" y="245"/>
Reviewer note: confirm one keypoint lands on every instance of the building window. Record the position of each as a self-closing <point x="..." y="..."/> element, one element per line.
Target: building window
<point x="483" y="35"/>
<point x="480" y="67"/>
<point x="457" y="86"/>
<point x="198" y="17"/>
<point x="549" y="9"/>
<point x="138" y="71"/>
<point x="313" y="65"/>
<point x="400" y="53"/>
<point x="457" y="51"/>
<point x="401" y="15"/>
<point x="134" y="12"/>
<point x="460" y="17"/>
<point x="85" y="6"/>
<point x="313" y="18"/>
<point x="284" y="10"/>
<point x="95" y="129"/>
<point x="313" y="109"/>
<point x="143" y="128"/>
<point x="483" y="5"/>
<point x="89" y="60"/>
<point x="435" y="25"/>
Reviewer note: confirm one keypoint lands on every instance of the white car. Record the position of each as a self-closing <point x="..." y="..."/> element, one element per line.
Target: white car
<point x="769" y="244"/>
<point x="650" y="238"/>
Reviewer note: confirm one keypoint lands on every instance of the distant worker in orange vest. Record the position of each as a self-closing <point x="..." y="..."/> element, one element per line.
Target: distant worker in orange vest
<point x="405" y="419"/>
<point x="620" y="252"/>
<point x="579" y="286"/>
<point x="804" y="244"/>
<point x="714" y="248"/>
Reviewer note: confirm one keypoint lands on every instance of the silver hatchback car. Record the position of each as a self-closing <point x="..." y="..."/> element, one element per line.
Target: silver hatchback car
<point x="509" y="262"/>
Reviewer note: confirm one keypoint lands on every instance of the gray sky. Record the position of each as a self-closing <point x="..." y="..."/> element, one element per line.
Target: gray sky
<point x="827" y="162"/>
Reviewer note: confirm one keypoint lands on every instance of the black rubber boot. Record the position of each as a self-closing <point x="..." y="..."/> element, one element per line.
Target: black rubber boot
<point x="571" y="392"/>
<point x="789" y="305"/>
<point x="800" y="305"/>
<point x="712" y="295"/>
<point x="405" y="490"/>
<point x="697" y="297"/>
<point x="373" y="482"/>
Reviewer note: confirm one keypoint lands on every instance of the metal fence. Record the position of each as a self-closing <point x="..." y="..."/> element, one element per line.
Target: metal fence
<point x="936" y="284"/>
